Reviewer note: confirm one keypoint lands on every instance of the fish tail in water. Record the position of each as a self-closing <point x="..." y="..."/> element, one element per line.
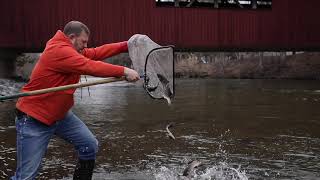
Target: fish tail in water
<point x="169" y="132"/>
<point x="167" y="98"/>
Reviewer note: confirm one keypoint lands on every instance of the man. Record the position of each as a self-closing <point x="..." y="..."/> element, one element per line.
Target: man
<point x="64" y="59"/>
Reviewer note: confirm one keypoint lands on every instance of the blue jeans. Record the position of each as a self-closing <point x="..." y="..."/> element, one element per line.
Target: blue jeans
<point x="33" y="138"/>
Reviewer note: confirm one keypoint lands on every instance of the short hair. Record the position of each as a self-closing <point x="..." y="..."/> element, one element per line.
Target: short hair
<point x="75" y="27"/>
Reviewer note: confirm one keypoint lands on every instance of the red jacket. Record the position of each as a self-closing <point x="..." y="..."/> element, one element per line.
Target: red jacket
<point x="60" y="64"/>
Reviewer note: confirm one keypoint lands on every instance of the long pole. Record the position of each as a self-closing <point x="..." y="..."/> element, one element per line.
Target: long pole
<point x="61" y="88"/>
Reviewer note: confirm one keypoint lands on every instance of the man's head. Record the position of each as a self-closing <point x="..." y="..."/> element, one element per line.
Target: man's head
<point x="78" y="34"/>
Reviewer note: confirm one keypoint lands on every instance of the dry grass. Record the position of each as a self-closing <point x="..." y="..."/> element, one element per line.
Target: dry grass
<point x="237" y="65"/>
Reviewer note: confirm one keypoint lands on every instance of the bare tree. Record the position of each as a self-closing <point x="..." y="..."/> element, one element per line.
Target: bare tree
<point x="191" y="2"/>
<point x="224" y="1"/>
<point x="216" y="3"/>
<point x="254" y="4"/>
<point x="176" y="3"/>
<point x="237" y="1"/>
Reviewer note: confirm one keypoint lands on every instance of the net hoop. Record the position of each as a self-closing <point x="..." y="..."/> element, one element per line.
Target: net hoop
<point x="146" y="79"/>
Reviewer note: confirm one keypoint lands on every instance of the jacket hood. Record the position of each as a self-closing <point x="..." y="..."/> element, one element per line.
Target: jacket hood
<point x="60" y="37"/>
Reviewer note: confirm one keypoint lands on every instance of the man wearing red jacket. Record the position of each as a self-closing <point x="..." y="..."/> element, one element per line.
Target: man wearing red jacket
<point x="39" y="117"/>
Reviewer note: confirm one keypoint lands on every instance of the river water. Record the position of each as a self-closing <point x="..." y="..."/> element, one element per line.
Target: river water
<point x="238" y="129"/>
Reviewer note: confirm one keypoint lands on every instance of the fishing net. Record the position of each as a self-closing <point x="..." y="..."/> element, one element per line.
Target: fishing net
<point x="155" y="63"/>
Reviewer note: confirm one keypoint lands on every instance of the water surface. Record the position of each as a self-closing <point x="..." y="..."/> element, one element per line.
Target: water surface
<point x="239" y="129"/>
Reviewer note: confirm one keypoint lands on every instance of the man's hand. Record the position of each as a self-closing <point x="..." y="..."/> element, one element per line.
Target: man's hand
<point x="131" y="75"/>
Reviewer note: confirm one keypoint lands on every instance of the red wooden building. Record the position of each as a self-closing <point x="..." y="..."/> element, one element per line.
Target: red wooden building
<point x="290" y="24"/>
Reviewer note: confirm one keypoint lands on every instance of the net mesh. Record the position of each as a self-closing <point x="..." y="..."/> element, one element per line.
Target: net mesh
<point x="155" y="63"/>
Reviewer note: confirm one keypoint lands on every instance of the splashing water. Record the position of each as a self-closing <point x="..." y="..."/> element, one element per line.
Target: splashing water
<point x="220" y="170"/>
<point x="9" y="87"/>
<point x="166" y="174"/>
<point x="223" y="171"/>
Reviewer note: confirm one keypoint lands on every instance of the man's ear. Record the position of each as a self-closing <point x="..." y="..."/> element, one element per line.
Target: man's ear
<point x="71" y="36"/>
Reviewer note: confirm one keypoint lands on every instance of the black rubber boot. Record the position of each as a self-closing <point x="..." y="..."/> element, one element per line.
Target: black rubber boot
<point x="84" y="170"/>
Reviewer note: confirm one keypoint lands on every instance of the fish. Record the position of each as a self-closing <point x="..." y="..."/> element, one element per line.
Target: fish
<point x="167" y="98"/>
<point x="150" y="88"/>
<point x="189" y="170"/>
<point x="169" y="132"/>
<point x="162" y="79"/>
<point x="167" y="93"/>
<point x="147" y="86"/>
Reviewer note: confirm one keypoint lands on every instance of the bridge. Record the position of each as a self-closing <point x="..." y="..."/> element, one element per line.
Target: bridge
<point x="287" y="25"/>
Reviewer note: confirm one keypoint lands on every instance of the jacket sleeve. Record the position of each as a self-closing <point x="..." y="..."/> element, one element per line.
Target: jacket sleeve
<point x="67" y="60"/>
<point x="105" y="51"/>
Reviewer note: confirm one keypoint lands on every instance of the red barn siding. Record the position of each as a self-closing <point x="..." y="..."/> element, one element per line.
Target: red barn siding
<point x="28" y="24"/>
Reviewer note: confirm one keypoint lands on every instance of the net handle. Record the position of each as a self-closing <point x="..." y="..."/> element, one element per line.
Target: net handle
<point x="62" y="88"/>
<point x="145" y="70"/>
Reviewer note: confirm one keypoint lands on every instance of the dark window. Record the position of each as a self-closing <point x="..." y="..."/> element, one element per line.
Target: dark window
<point x="238" y="4"/>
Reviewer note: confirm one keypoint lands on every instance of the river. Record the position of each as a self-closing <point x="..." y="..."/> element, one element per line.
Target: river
<point x="238" y="129"/>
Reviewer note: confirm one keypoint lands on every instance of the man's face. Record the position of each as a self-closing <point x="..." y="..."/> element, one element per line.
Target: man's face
<point x="79" y="42"/>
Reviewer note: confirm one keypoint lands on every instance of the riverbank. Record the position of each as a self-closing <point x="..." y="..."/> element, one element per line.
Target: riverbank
<point x="242" y="65"/>
<point x="239" y="65"/>
<point x="249" y="65"/>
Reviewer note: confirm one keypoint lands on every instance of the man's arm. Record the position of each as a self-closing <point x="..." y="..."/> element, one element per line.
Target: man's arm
<point x="105" y="51"/>
<point x="70" y="61"/>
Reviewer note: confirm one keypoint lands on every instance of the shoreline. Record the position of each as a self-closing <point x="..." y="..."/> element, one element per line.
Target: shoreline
<point x="212" y="65"/>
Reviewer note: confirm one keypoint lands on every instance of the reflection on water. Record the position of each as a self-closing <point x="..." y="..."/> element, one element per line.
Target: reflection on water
<point x="239" y="129"/>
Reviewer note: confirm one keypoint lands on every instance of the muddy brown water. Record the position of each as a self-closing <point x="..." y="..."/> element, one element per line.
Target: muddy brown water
<point x="239" y="129"/>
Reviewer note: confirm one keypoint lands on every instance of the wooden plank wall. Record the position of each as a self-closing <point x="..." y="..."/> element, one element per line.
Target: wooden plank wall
<point x="290" y="24"/>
